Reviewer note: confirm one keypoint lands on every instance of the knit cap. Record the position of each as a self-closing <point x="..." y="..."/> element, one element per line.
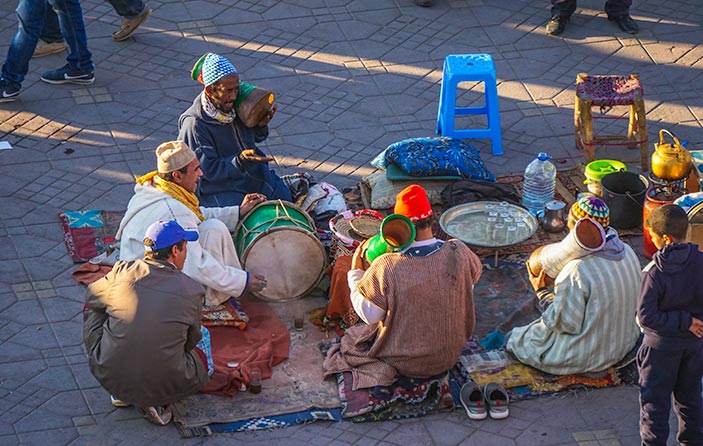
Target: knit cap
<point x="210" y="68"/>
<point x="412" y="202"/>
<point x="173" y="155"/>
<point x="591" y="207"/>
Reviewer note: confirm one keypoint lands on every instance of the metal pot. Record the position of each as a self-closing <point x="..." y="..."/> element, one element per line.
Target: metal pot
<point x="553" y="218"/>
<point x="670" y="162"/>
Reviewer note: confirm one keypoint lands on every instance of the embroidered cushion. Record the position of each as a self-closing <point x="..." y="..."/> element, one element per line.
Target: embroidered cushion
<point x="437" y="156"/>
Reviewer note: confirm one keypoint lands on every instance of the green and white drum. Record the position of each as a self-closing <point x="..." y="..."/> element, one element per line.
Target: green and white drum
<point x="277" y="240"/>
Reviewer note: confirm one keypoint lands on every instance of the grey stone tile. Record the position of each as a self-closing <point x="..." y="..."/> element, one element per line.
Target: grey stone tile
<point x="446" y="433"/>
<point x="58" y="378"/>
<point x="9" y="440"/>
<point x="53" y="436"/>
<point x="56" y="413"/>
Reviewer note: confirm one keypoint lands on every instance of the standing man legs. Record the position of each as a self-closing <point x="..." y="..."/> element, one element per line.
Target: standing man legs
<point x="618" y="11"/>
<point x="30" y="14"/>
<point x="133" y="13"/>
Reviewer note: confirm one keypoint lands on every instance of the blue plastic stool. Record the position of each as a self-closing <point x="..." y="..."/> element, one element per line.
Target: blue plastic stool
<point x="469" y="67"/>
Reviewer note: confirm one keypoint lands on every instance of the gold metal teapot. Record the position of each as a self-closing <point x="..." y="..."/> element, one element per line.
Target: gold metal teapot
<point x="670" y="162"/>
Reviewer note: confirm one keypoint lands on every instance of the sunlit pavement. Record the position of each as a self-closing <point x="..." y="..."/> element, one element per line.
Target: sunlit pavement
<point x="350" y="77"/>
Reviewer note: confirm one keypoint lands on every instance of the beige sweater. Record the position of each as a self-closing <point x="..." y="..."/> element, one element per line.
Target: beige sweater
<point x="429" y="309"/>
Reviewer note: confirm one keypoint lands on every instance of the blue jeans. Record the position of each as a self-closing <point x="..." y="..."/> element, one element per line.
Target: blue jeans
<point x="30" y="14"/>
<point x="614" y="8"/>
<point x="127" y="9"/>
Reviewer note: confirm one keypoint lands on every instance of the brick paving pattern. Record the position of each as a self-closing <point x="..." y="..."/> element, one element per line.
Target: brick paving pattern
<point x="351" y="77"/>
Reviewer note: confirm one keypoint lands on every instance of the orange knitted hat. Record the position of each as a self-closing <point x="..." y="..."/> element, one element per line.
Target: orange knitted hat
<point x="412" y="202"/>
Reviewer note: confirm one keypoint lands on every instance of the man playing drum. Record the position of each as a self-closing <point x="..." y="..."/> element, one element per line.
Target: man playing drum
<point x="168" y="193"/>
<point x="418" y="305"/>
<point x="588" y="323"/>
<point x="232" y="164"/>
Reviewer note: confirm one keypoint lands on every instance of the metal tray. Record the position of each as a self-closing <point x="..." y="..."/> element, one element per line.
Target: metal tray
<point x="468" y="222"/>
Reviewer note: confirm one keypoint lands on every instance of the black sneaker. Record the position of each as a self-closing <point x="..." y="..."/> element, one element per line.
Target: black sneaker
<point x="556" y="25"/>
<point x="9" y="91"/>
<point x="68" y="75"/>
<point x="626" y="23"/>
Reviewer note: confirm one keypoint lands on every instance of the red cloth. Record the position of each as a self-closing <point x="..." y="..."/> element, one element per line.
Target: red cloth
<point x="264" y="344"/>
<point x="340" y="307"/>
<point x="88" y="273"/>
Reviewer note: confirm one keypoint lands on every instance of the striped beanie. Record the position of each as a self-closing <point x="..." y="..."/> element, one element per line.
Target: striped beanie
<point x="591" y="207"/>
<point x="210" y="68"/>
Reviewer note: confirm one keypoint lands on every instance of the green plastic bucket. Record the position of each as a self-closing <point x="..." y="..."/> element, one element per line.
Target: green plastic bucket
<point x="597" y="169"/>
<point x="277" y="240"/>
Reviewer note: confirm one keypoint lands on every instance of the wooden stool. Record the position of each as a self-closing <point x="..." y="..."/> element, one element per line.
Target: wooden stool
<point x="607" y="92"/>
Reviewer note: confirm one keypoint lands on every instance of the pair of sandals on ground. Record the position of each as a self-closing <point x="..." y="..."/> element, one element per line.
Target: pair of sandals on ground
<point x="479" y="403"/>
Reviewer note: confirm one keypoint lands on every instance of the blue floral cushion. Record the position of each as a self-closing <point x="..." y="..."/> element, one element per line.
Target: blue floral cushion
<point x="423" y="157"/>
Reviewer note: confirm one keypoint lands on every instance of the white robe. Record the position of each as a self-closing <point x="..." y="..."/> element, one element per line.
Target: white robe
<point x="211" y="260"/>
<point x="590" y="326"/>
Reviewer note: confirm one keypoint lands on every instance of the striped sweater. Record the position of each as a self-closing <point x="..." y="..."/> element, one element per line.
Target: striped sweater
<point x="429" y="315"/>
<point x="591" y="323"/>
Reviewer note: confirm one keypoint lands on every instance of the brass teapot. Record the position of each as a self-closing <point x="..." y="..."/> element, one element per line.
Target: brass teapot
<point x="670" y="162"/>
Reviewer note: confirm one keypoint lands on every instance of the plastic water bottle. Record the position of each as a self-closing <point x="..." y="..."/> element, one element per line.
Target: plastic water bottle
<point x="538" y="183"/>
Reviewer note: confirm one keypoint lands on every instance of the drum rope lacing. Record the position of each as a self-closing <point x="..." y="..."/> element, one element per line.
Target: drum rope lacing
<point x="246" y="231"/>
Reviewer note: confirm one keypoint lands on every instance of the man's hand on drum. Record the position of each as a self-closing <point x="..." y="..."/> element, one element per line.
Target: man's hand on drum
<point x="538" y="281"/>
<point x="267" y="117"/>
<point x="255" y="283"/>
<point x="249" y="202"/>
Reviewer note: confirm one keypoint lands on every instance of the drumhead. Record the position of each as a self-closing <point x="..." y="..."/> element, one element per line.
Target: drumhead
<point x="291" y="259"/>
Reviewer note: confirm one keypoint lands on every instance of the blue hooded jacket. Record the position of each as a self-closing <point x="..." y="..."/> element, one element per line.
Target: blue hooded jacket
<point x="225" y="181"/>
<point x="671" y="295"/>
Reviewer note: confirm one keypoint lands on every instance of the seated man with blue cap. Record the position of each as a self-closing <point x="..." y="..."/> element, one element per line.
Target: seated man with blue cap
<point x="232" y="164"/>
<point x="142" y="326"/>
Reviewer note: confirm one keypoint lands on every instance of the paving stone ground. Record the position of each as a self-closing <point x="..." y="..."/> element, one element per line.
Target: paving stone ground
<point x="351" y="77"/>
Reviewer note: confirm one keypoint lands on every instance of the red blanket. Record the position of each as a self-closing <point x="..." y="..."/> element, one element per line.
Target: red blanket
<point x="264" y="344"/>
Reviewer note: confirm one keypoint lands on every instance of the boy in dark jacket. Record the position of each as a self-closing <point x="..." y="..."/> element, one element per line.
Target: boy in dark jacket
<point x="669" y="310"/>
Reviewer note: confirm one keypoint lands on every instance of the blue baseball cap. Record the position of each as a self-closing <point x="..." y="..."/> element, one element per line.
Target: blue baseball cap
<point x="165" y="233"/>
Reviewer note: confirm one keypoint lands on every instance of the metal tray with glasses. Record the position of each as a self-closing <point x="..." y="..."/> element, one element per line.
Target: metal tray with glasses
<point x="489" y="224"/>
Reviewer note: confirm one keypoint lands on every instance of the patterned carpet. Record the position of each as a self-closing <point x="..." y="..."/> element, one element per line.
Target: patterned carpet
<point x="295" y="393"/>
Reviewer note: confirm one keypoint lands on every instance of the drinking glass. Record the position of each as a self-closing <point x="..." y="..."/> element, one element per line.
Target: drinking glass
<point x="255" y="380"/>
<point x="510" y="234"/>
<point x="521" y="229"/>
<point x="499" y="233"/>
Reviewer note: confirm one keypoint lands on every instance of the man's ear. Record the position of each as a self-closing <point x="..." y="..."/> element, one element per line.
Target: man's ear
<point x="177" y="176"/>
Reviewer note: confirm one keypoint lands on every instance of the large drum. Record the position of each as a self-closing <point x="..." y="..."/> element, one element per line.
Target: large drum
<point x="277" y="240"/>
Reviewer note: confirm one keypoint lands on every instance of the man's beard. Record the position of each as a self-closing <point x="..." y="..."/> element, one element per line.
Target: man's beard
<point x="223" y="107"/>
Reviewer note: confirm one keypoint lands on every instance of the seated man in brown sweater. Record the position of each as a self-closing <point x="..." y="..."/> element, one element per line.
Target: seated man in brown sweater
<point x="142" y="326"/>
<point x="418" y="305"/>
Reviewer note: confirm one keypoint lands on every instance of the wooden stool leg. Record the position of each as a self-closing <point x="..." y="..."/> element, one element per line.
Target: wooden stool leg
<point x="641" y="123"/>
<point x="632" y="126"/>
<point x="587" y="130"/>
<point x="577" y="123"/>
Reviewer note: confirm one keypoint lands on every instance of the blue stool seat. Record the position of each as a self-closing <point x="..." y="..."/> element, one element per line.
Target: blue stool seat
<point x="462" y="68"/>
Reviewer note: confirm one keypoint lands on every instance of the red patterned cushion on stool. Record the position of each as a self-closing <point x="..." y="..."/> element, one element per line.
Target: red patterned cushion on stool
<point x="607" y="91"/>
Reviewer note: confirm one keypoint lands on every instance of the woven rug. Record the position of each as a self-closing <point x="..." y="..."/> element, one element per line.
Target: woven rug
<point x="88" y="234"/>
<point x="295" y="393"/>
<point x="503" y="296"/>
<point x="406" y="398"/>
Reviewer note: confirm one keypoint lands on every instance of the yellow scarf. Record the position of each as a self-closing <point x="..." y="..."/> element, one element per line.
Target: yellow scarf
<point x="174" y="190"/>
